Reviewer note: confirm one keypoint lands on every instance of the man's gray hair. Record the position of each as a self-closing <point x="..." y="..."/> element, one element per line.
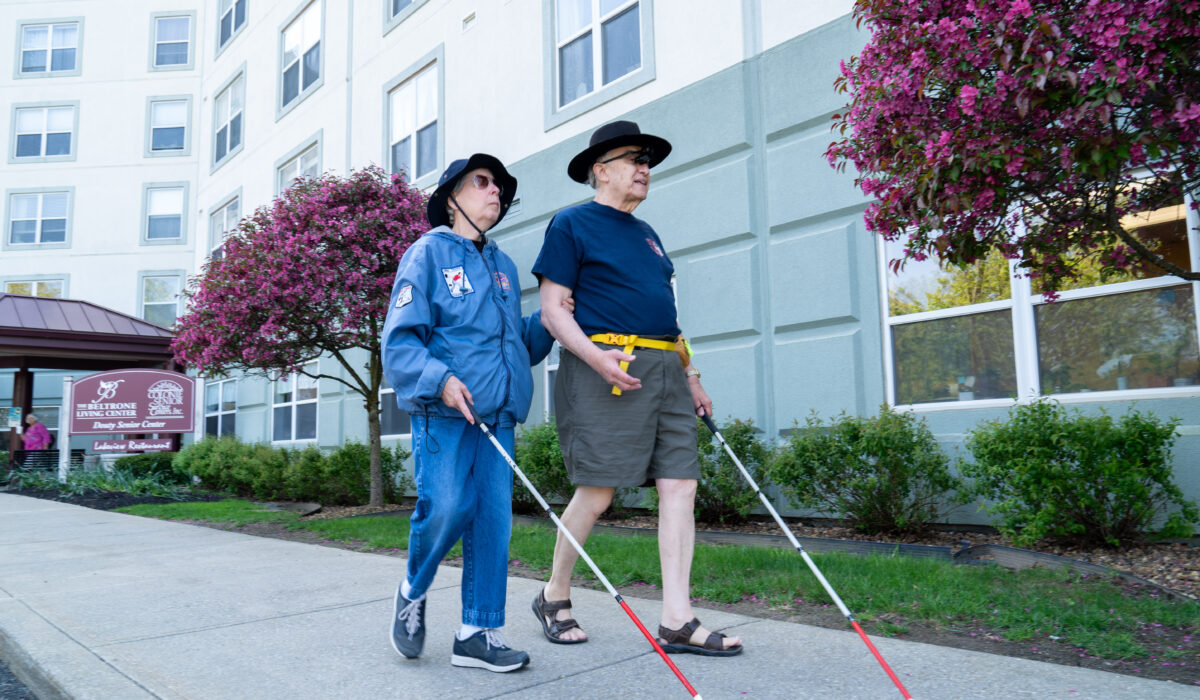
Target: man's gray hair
<point x="450" y="209"/>
<point x="591" y="179"/>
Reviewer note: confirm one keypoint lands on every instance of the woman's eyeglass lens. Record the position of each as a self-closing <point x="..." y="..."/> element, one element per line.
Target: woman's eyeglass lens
<point x="483" y="182"/>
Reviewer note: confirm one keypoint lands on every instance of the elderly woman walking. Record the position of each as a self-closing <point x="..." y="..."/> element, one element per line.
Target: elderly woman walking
<point x="37" y="436"/>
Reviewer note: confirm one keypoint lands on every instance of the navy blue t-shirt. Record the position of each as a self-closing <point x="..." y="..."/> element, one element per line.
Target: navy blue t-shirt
<point x="617" y="268"/>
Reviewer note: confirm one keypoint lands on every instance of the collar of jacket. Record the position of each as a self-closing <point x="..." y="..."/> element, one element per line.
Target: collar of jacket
<point x="446" y="232"/>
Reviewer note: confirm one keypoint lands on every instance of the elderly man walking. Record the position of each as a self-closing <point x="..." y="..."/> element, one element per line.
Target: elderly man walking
<point x="626" y="395"/>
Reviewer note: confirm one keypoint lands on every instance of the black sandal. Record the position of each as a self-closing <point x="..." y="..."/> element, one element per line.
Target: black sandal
<point x="680" y="641"/>
<point x="553" y="629"/>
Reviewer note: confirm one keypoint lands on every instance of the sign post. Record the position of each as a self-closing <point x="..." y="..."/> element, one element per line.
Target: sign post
<point x="64" y="446"/>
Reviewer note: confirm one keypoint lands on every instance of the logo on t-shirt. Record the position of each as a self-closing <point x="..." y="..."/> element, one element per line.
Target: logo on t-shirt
<point x="456" y="280"/>
<point x="404" y="296"/>
<point x="654" y="247"/>
<point x="502" y="281"/>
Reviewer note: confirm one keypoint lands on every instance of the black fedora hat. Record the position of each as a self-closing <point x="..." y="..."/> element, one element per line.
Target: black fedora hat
<point x="610" y="136"/>
<point x="435" y="211"/>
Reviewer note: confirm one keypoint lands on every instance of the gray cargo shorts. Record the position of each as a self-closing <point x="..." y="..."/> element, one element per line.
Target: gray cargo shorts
<point x="631" y="439"/>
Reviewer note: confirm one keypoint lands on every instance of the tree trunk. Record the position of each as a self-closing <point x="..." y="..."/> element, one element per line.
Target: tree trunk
<point x="375" y="369"/>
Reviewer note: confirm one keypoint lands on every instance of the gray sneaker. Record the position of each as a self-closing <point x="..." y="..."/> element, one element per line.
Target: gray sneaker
<point x="486" y="649"/>
<point x="408" y="626"/>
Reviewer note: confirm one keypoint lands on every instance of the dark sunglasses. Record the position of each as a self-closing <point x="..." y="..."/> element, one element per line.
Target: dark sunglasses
<point x="482" y="182"/>
<point x="641" y="157"/>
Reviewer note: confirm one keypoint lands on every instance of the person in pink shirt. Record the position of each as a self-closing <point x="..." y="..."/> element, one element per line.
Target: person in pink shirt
<point x="37" y="437"/>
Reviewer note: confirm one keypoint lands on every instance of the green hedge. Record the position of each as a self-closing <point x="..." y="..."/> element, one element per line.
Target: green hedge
<point x="157" y="464"/>
<point x="341" y="477"/>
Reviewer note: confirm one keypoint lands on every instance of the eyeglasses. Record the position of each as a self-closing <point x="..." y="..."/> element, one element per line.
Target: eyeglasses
<point x="641" y="157"/>
<point x="482" y="182"/>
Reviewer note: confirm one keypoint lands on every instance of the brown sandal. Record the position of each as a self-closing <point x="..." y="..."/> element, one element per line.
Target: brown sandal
<point x="552" y="628"/>
<point x="680" y="641"/>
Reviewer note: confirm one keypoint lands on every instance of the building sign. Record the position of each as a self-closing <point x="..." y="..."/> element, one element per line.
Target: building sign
<point x="151" y="445"/>
<point x="133" y="401"/>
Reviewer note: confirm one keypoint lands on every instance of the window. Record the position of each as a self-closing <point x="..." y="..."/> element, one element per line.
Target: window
<point x="38" y="217"/>
<point x="164" y="206"/>
<point x="223" y="220"/>
<point x="169" y="118"/>
<point x="300" y="58"/>
<point x="43" y="132"/>
<point x="294" y="413"/>
<point x="305" y="163"/>
<point x="413" y="124"/>
<point x="227" y="139"/>
<point x="396" y="11"/>
<point x="172" y="42"/>
<point x="160" y="297"/>
<point x="393" y="422"/>
<point x="50" y="48"/>
<point x="220" y="407"/>
<point x="232" y="17"/>
<point x="46" y="288"/>
<point x="982" y="332"/>
<point x="48" y="416"/>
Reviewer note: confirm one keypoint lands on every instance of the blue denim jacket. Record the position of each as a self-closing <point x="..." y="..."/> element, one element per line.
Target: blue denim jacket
<point x="457" y="311"/>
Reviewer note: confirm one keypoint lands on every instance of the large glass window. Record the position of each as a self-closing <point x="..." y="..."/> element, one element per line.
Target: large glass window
<point x="223" y="220"/>
<point x="982" y="332"/>
<point x="301" y="58"/>
<point x="414" y="124"/>
<point x="49" y="289"/>
<point x="294" y="406"/>
<point x="393" y="422"/>
<point x="39" y="217"/>
<point x="44" y="132"/>
<point x="220" y="407"/>
<point x="160" y="299"/>
<point x="49" y="48"/>
<point x="306" y="164"/>
<point x="231" y="18"/>
<point x="164" y="213"/>
<point x="172" y="39"/>
<point x="168" y="126"/>
<point x="597" y="41"/>
<point x="227" y="138"/>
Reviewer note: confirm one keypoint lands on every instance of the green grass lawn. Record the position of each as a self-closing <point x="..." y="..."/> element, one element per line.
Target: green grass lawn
<point x="884" y="593"/>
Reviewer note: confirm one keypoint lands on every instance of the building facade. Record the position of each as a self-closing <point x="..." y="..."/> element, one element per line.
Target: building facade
<point x="158" y="127"/>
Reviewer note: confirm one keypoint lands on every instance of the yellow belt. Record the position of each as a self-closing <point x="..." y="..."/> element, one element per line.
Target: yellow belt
<point x="629" y="342"/>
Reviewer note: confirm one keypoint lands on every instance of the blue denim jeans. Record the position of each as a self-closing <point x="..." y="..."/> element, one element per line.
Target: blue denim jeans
<point x="464" y="489"/>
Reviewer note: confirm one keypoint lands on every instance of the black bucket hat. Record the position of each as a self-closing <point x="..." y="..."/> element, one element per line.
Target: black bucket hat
<point x="435" y="211"/>
<point x="610" y="136"/>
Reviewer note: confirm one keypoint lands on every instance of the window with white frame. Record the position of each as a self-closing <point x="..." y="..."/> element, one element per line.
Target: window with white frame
<point x="301" y="58"/>
<point x="44" y="132"/>
<point x="393" y="421"/>
<point x="984" y="332"/>
<point x="227" y="138"/>
<point x="220" y="407"/>
<point x="172" y="41"/>
<point x="398" y="6"/>
<point x="596" y="42"/>
<point x="164" y="213"/>
<point x="306" y="164"/>
<point x="160" y="298"/>
<point x="413" y="130"/>
<point x="231" y="18"/>
<point x="294" y="406"/>
<point x="45" y="288"/>
<point x="49" y="48"/>
<point x="38" y="217"/>
<point x="223" y="220"/>
<point x="168" y="126"/>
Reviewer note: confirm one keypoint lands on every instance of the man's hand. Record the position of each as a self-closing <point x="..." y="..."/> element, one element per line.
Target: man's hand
<point x="700" y="400"/>
<point x="607" y="364"/>
<point x="569" y="304"/>
<point x="456" y="396"/>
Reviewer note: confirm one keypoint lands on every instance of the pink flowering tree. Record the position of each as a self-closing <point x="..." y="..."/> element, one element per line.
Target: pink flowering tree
<point x="1032" y="128"/>
<point x="308" y="276"/>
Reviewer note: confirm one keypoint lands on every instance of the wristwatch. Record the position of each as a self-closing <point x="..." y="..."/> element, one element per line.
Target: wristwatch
<point x="693" y="372"/>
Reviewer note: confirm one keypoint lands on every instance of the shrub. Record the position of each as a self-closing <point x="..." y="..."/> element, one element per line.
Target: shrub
<point x="156" y="464"/>
<point x="1089" y="479"/>
<point x="886" y="474"/>
<point x="345" y="476"/>
<point x="539" y="456"/>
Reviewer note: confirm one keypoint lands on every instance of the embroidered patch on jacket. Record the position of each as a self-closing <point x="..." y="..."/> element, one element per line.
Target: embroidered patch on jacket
<point x="502" y="281"/>
<point x="404" y="296"/>
<point x="654" y="247"/>
<point x="457" y="281"/>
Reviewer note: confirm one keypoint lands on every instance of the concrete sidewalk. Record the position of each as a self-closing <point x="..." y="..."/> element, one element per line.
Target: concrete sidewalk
<point x="109" y="606"/>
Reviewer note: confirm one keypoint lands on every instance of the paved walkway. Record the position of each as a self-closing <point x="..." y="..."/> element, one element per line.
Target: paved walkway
<point x="110" y="606"/>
